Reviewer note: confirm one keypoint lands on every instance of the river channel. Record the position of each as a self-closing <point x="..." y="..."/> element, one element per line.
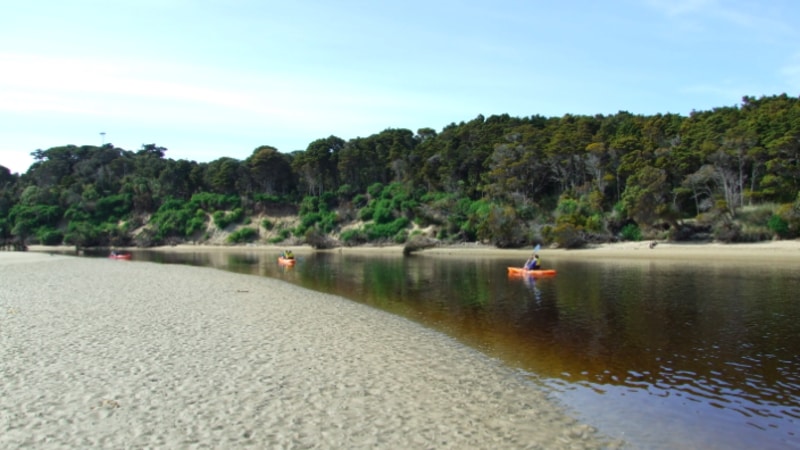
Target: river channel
<point x="659" y="354"/>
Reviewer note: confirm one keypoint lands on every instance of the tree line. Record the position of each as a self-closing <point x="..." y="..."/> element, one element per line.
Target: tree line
<point x="730" y="174"/>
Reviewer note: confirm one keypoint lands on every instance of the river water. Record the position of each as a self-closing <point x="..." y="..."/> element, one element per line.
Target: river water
<point x="657" y="353"/>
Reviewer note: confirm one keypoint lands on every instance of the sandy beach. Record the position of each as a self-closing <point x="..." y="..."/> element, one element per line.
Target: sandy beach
<point x="787" y="251"/>
<point x="773" y="251"/>
<point x="114" y="354"/>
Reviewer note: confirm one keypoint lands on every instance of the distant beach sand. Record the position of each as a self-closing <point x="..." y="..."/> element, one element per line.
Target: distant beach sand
<point x="772" y="251"/>
<point x="99" y="353"/>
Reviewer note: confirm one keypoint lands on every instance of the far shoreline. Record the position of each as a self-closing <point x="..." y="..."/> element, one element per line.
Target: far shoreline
<point x="768" y="251"/>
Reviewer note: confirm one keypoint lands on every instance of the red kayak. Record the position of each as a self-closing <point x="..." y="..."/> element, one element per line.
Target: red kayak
<point x="520" y="272"/>
<point x="114" y="255"/>
<point x="286" y="261"/>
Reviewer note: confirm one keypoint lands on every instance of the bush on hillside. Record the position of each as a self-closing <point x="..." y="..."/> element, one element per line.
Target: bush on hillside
<point x="243" y="235"/>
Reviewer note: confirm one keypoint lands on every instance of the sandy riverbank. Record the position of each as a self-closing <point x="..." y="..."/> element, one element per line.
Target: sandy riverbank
<point x="773" y="251"/>
<point x="112" y="354"/>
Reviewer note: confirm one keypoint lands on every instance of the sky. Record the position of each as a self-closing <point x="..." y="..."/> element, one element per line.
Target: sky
<point x="208" y="79"/>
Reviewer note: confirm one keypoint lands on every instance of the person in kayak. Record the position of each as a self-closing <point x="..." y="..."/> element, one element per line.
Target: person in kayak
<point x="287" y="254"/>
<point x="533" y="263"/>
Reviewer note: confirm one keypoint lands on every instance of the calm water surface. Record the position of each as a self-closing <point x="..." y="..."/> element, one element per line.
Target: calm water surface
<point x="660" y="354"/>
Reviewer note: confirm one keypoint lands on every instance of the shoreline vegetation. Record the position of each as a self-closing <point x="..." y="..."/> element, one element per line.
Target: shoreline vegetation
<point x="729" y="175"/>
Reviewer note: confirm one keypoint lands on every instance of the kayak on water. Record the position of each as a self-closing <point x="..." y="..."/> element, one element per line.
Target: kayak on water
<point x="118" y="255"/>
<point x="519" y="271"/>
<point x="286" y="261"/>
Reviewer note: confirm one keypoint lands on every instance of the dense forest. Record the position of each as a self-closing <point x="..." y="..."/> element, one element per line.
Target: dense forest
<point x="731" y="174"/>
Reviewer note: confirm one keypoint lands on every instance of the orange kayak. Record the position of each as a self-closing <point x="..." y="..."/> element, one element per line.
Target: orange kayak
<point x="520" y="272"/>
<point x="286" y="261"/>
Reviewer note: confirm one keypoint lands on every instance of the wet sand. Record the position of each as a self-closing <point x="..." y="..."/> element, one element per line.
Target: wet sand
<point x="118" y="354"/>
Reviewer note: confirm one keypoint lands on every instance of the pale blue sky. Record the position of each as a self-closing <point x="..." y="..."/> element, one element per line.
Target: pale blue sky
<point x="214" y="78"/>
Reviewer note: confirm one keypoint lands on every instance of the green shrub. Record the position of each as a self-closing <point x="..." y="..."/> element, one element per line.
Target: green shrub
<point x="177" y="218"/>
<point x="789" y="213"/>
<point x="581" y="213"/>
<point x="309" y="204"/>
<point x="282" y="236"/>
<point x="631" y="232"/>
<point x="194" y="225"/>
<point x="345" y="191"/>
<point x="401" y="237"/>
<point x="778" y="225"/>
<point x="501" y="226"/>
<point x="113" y="208"/>
<point x="267" y="199"/>
<point x="567" y="207"/>
<point x="215" y="202"/>
<point x="243" y="235"/>
<point x="327" y="222"/>
<point x="170" y="222"/>
<point x="76" y="213"/>
<point x="326" y="201"/>
<point x="219" y="219"/>
<point x="568" y="235"/>
<point x="408" y="206"/>
<point x="374" y="190"/>
<point x="267" y="224"/>
<point x="223" y="219"/>
<point x="354" y="236"/>
<point x="49" y="236"/>
<point x="83" y="234"/>
<point x="366" y="213"/>
<point x="383" y="212"/>
<point x="237" y="215"/>
<point x="359" y="201"/>
<point x="595" y="223"/>
<point x="307" y="221"/>
<point x="385" y="231"/>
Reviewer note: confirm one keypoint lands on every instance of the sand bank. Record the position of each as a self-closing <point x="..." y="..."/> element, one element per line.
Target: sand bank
<point x="115" y="354"/>
<point x="773" y="251"/>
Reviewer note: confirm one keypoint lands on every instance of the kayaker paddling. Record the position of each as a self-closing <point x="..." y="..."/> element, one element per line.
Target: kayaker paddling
<point x="533" y="263"/>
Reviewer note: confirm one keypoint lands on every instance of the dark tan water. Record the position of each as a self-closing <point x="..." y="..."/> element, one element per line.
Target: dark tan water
<point x="663" y="355"/>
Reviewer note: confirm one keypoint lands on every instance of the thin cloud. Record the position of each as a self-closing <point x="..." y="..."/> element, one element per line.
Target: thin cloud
<point x="62" y="85"/>
<point x="209" y="107"/>
<point x="74" y="79"/>
<point x="759" y="18"/>
<point x="30" y="102"/>
<point x="674" y="8"/>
